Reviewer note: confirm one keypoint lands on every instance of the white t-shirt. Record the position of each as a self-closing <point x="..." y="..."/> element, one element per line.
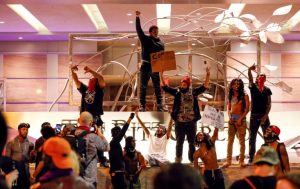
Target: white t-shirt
<point x="158" y="145"/>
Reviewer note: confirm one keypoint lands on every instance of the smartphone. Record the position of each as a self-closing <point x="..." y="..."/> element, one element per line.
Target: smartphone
<point x="58" y="128"/>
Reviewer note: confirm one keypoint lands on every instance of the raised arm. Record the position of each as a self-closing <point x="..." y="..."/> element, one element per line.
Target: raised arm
<point x="121" y="134"/>
<point x="215" y="135"/>
<point x="250" y="77"/>
<point x="75" y="77"/>
<point x="169" y="128"/>
<point x="162" y="80"/>
<point x="96" y="75"/>
<point x="138" y="27"/>
<point x="145" y="129"/>
<point x="206" y="83"/>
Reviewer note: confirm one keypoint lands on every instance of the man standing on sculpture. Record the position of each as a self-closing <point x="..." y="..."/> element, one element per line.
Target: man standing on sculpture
<point x="150" y="44"/>
<point x="260" y="108"/>
<point x="92" y="99"/>
<point x="238" y="107"/>
<point x="185" y="112"/>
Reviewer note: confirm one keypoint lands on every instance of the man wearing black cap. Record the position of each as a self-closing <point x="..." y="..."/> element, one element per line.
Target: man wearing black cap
<point x="20" y="147"/>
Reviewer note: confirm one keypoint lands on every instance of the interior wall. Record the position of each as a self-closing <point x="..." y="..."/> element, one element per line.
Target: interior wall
<point x="29" y="66"/>
<point x="285" y="57"/>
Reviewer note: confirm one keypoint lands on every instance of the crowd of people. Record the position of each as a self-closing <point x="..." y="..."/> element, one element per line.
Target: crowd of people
<point x="70" y="160"/>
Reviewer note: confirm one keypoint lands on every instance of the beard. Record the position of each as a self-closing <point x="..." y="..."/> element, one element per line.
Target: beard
<point x="270" y="138"/>
<point x="183" y="90"/>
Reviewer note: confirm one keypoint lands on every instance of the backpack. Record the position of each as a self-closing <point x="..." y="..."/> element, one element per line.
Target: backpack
<point x="78" y="144"/>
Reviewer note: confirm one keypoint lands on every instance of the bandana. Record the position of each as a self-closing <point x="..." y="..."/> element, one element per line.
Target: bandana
<point x="92" y="84"/>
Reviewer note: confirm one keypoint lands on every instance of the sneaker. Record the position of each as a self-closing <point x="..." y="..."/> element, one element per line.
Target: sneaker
<point x="242" y="164"/>
<point x="142" y="109"/>
<point x="225" y="165"/>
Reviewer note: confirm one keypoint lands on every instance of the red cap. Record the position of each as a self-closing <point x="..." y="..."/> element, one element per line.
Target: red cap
<point x="186" y="80"/>
<point x="275" y="129"/>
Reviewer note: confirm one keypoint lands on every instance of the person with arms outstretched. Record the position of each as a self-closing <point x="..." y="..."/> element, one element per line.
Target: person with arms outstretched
<point x="185" y="112"/>
<point x="157" y="153"/>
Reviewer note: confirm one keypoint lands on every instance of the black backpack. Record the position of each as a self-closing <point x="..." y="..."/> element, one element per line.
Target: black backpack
<point x="78" y="144"/>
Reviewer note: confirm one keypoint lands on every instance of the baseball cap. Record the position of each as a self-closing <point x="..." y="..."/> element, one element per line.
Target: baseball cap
<point x="21" y="125"/>
<point x="266" y="154"/>
<point x="275" y="129"/>
<point x="186" y="80"/>
<point x="60" y="151"/>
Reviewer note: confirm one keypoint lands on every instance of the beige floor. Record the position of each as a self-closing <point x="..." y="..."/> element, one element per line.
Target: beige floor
<point x="231" y="174"/>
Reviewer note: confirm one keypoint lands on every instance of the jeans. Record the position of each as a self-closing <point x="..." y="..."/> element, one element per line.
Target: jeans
<point x="214" y="179"/>
<point x="255" y="120"/>
<point x="241" y="131"/>
<point x="145" y="75"/>
<point x="188" y="129"/>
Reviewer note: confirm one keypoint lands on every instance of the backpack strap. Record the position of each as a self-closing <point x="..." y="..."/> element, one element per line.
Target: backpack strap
<point x="279" y="155"/>
<point x="83" y="133"/>
<point x="249" y="182"/>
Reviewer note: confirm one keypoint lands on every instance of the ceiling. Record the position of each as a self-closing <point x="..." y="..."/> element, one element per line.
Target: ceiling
<point x="62" y="17"/>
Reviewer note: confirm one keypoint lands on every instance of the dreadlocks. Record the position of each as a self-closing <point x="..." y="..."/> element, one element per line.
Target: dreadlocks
<point x="206" y="140"/>
<point x="241" y="92"/>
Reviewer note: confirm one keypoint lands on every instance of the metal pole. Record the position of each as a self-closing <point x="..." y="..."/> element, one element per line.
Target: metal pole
<point x="258" y="57"/>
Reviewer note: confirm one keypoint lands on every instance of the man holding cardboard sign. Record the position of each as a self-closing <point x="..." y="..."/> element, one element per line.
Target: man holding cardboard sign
<point x="150" y="44"/>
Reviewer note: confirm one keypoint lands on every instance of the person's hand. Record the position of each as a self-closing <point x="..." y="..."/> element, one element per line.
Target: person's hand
<point x="11" y="177"/>
<point x="230" y="121"/>
<point x="137" y="13"/>
<point x="239" y="122"/>
<point x="207" y="70"/>
<point x="86" y="69"/>
<point x="74" y="68"/>
<point x="253" y="67"/>
<point x="131" y="115"/>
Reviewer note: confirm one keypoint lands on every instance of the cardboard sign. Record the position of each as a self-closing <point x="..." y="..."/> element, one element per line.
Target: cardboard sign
<point x="213" y="117"/>
<point x="163" y="61"/>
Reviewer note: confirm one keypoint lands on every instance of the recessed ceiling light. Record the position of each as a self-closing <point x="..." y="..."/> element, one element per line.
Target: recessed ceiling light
<point x="29" y="18"/>
<point x="96" y="17"/>
<point x="132" y="44"/>
<point x="2" y="22"/>
<point x="20" y="37"/>
<point x="38" y="91"/>
<point x="130" y="22"/>
<point x="129" y="14"/>
<point x="193" y="44"/>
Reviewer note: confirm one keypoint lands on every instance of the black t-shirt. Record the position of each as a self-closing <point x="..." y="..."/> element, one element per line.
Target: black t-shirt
<point x="259" y="100"/>
<point x="91" y="101"/>
<point x="115" y="153"/>
<point x="258" y="182"/>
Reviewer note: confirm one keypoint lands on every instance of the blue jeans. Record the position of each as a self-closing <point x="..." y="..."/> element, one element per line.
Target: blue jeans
<point x="145" y="75"/>
<point x="188" y="129"/>
<point x="255" y="120"/>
